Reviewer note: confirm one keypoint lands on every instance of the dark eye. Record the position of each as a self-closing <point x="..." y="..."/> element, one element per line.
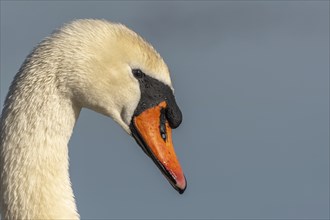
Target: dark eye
<point x="137" y="73"/>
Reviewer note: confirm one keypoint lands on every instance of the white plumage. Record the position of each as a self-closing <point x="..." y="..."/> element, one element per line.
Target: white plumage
<point x="86" y="63"/>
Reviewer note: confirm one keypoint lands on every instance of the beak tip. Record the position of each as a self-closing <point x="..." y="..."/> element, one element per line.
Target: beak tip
<point x="181" y="191"/>
<point x="182" y="186"/>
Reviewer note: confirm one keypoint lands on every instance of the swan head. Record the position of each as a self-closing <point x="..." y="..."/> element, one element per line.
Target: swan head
<point x="112" y="70"/>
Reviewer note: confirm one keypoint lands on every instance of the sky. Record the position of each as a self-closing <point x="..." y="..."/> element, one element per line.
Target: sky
<point x="252" y="81"/>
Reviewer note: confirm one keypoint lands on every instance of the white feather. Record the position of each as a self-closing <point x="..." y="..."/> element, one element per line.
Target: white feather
<point x="86" y="63"/>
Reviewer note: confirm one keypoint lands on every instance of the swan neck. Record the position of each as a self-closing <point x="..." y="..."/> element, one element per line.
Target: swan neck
<point x="36" y="125"/>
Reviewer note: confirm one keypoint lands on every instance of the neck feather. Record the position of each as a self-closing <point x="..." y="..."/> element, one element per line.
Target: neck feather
<point x="35" y="128"/>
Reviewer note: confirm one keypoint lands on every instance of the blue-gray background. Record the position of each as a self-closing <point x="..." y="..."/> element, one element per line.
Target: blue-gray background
<point x="252" y="79"/>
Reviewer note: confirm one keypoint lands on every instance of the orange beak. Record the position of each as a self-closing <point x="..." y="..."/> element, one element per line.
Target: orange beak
<point x="152" y="132"/>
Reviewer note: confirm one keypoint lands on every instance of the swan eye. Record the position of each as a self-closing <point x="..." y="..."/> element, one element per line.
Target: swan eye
<point x="137" y="73"/>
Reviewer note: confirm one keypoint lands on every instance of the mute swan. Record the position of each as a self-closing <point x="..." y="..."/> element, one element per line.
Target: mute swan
<point x="94" y="64"/>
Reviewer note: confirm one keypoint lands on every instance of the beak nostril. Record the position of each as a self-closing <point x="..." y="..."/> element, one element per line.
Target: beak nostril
<point x="162" y="124"/>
